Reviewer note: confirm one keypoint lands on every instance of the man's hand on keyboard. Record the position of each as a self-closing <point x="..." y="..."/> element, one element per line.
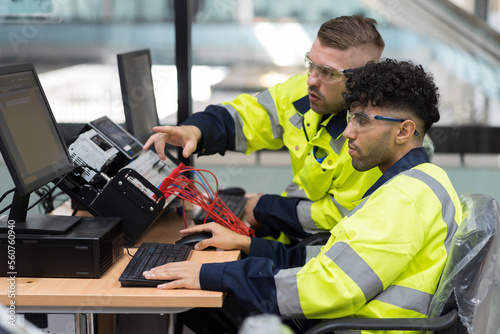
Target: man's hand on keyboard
<point x="184" y="274"/>
<point x="249" y="206"/>
<point x="222" y="238"/>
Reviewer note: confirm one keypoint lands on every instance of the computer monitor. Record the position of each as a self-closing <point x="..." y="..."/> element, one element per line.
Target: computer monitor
<point x="138" y="96"/>
<point x="32" y="148"/>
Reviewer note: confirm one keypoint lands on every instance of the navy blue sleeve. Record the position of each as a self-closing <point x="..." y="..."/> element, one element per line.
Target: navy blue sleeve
<point x="217" y="127"/>
<point x="251" y="281"/>
<point x="280" y="214"/>
<point x="282" y="256"/>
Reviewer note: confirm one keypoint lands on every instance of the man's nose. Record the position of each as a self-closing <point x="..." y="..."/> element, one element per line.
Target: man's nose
<point x="313" y="79"/>
<point x="349" y="132"/>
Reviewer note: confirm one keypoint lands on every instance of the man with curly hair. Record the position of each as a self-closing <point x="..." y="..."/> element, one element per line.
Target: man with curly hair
<point x="384" y="259"/>
<point x="307" y="115"/>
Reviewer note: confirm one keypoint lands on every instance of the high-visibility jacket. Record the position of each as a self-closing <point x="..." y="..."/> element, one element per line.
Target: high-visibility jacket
<point x="324" y="185"/>
<point x="384" y="259"/>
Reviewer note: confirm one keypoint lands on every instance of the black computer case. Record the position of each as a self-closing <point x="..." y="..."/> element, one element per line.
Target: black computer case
<point x="86" y="251"/>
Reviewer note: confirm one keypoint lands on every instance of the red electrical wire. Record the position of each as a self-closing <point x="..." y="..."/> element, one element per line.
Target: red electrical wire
<point x="189" y="190"/>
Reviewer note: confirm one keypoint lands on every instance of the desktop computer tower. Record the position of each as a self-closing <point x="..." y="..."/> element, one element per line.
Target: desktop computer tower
<point x="87" y="250"/>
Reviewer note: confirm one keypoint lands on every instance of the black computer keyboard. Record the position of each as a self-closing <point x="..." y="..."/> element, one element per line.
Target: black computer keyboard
<point x="235" y="203"/>
<point x="148" y="256"/>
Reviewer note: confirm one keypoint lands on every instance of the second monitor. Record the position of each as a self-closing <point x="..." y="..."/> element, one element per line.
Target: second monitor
<point x="138" y="96"/>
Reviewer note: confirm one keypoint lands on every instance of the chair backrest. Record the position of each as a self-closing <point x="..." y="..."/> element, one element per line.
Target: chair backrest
<point x="471" y="272"/>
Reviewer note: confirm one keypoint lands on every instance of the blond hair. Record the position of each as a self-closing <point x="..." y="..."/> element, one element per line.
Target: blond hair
<point x="344" y="32"/>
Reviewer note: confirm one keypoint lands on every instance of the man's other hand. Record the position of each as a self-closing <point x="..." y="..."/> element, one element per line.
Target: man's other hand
<point x="186" y="136"/>
<point x="185" y="274"/>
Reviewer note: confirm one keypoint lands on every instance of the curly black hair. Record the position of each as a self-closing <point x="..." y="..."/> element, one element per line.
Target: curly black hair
<point x="394" y="85"/>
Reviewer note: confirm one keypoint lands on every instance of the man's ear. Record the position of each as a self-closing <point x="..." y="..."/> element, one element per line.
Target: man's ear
<point x="406" y="131"/>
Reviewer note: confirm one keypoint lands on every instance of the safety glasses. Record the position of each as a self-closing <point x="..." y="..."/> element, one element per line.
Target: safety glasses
<point x="325" y="73"/>
<point x="362" y="121"/>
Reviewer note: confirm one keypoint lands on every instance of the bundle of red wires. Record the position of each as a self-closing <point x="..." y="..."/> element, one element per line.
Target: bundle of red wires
<point x="207" y="199"/>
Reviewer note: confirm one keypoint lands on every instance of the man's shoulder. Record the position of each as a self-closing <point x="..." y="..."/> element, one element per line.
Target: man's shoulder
<point x="294" y="88"/>
<point x="425" y="176"/>
<point x="431" y="170"/>
<point x="297" y="78"/>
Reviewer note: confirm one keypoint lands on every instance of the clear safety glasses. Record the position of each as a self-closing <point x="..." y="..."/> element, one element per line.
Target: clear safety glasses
<point x="362" y="121"/>
<point x="325" y="73"/>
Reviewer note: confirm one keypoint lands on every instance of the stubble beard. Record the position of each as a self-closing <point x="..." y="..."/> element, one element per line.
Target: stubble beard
<point x="376" y="156"/>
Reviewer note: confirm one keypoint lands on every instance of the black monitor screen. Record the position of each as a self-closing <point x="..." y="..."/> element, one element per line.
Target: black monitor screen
<point x="31" y="145"/>
<point x="137" y="93"/>
<point x="32" y="148"/>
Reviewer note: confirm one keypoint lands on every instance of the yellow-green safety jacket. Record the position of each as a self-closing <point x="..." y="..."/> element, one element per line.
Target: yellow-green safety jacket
<point x="325" y="186"/>
<point x="384" y="259"/>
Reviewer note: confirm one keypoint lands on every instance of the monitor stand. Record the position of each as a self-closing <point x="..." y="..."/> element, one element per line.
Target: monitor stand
<point x="39" y="224"/>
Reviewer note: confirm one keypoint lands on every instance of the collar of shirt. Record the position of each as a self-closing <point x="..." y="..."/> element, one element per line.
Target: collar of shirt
<point x="413" y="158"/>
<point x="335" y="126"/>
<point x="302" y="105"/>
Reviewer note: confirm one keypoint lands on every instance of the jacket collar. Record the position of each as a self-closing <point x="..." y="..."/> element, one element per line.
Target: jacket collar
<point x="413" y="158"/>
<point x="335" y="126"/>
<point x="302" y="105"/>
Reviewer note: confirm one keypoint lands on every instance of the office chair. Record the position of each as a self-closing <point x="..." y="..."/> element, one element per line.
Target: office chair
<point x="463" y="298"/>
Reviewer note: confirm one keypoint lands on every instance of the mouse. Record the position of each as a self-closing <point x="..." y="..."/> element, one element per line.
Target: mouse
<point x="237" y="191"/>
<point x="193" y="239"/>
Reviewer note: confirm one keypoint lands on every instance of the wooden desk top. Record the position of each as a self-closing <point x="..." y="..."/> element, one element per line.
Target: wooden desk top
<point x="107" y="291"/>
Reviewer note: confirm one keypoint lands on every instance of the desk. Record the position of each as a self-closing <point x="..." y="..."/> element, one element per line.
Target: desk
<point x="106" y="295"/>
